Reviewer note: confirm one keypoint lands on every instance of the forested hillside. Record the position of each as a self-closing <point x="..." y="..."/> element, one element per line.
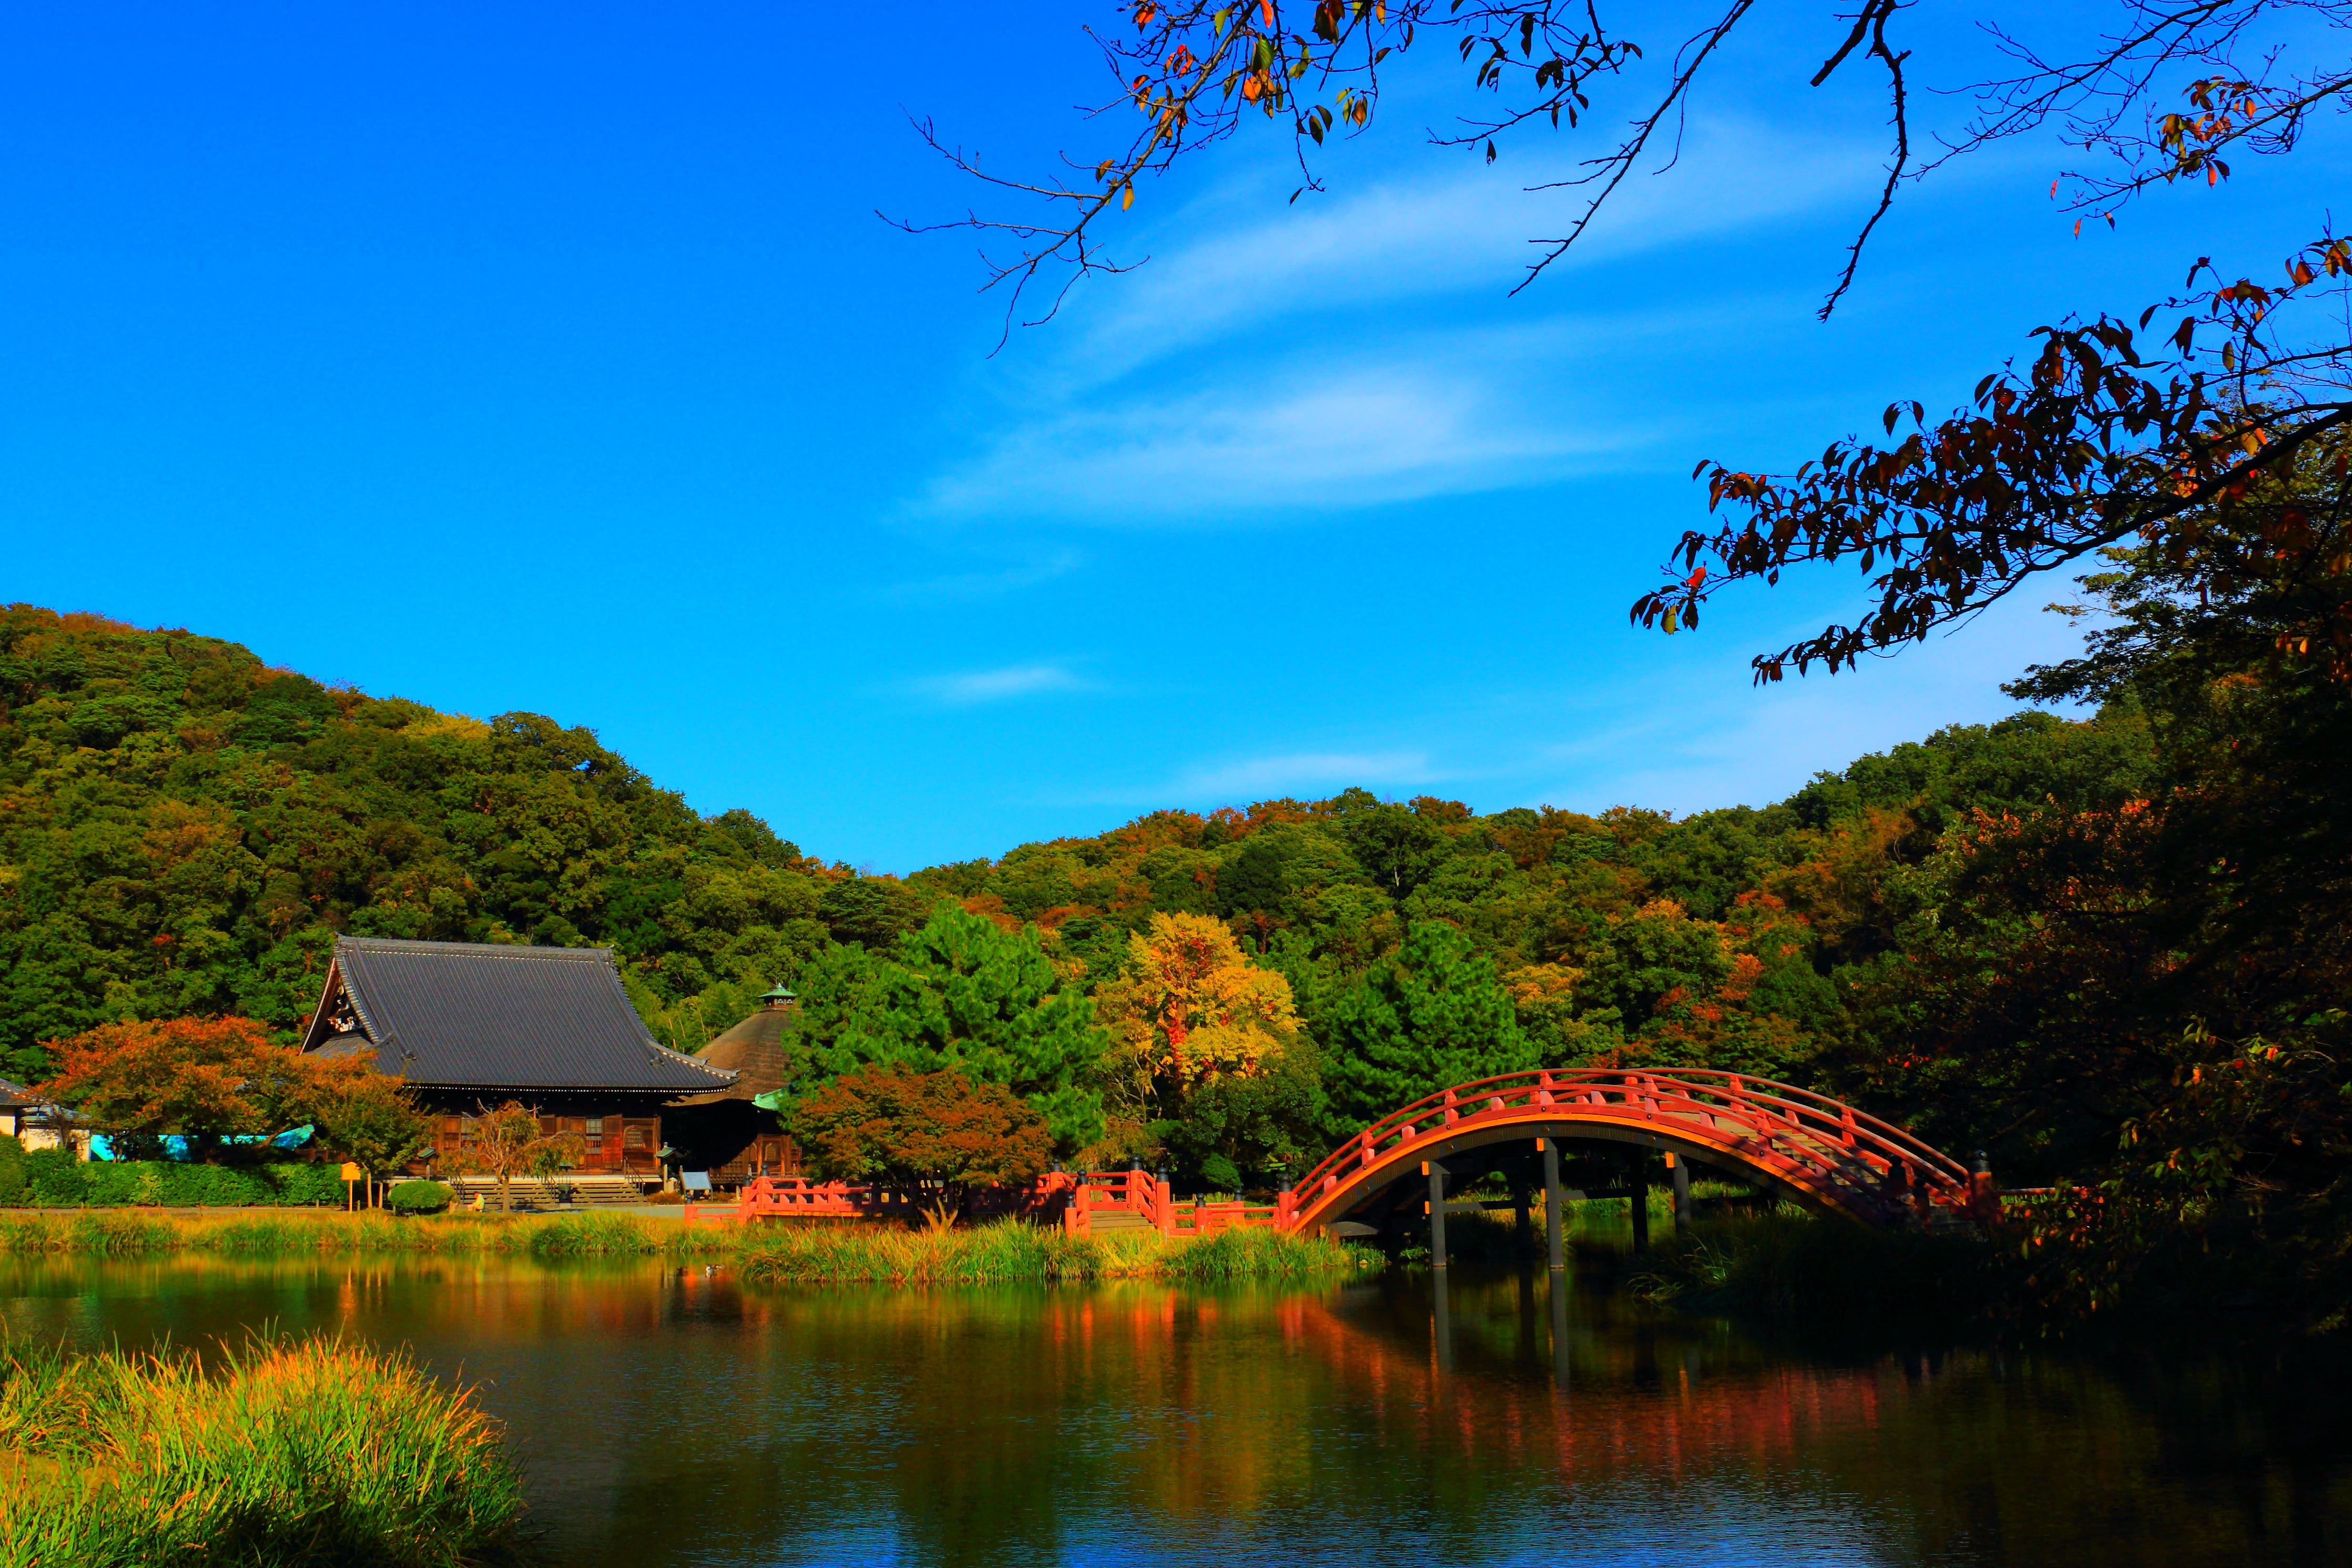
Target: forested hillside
<point x="1730" y="937"/>
<point x="183" y="829"/>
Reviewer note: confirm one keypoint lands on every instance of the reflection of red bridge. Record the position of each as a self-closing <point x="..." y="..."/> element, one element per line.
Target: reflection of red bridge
<point x="1801" y="1146"/>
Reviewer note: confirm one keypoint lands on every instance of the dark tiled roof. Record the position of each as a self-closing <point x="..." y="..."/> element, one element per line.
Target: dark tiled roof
<point x="471" y="1015"/>
<point x="14" y="1094"/>
<point x="753" y="1051"/>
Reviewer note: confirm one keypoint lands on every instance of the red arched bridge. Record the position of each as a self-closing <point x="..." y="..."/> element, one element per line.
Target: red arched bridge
<point x="1790" y="1142"/>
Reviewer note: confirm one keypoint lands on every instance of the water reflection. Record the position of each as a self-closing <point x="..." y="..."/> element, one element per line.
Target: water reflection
<point x="669" y="1415"/>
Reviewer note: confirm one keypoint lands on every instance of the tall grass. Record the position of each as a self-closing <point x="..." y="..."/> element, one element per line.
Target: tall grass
<point x="1009" y="1252"/>
<point x="296" y="1235"/>
<point x="767" y="1250"/>
<point x="283" y="1452"/>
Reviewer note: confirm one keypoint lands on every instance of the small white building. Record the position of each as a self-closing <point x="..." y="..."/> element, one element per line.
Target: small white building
<point x="38" y="1124"/>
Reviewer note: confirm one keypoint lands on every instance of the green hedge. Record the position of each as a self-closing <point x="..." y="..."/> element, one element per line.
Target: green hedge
<point x="419" y="1198"/>
<point x="13" y="1174"/>
<point x="53" y="1178"/>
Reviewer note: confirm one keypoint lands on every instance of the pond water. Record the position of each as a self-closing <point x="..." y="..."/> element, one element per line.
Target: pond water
<point x="671" y="1416"/>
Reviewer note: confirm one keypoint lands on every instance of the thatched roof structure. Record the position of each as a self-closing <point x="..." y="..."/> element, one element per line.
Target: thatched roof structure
<point x="753" y="1051"/>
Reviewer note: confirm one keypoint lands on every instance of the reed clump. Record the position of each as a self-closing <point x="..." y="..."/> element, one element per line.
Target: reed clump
<point x="1009" y="1252"/>
<point x="282" y="1451"/>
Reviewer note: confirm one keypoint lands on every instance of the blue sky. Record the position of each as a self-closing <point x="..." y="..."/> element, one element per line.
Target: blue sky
<point x="553" y="358"/>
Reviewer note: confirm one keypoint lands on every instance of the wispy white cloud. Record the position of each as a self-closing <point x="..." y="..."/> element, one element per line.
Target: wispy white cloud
<point x="960" y="586"/>
<point x="1368" y="436"/>
<point x="977" y="686"/>
<point x="1325" y="357"/>
<point x="1464" y="228"/>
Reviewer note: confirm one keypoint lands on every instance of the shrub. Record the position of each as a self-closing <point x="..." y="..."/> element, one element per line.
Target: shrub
<point x="12" y="1170"/>
<point x="419" y="1198"/>
<point x="54" y="1178"/>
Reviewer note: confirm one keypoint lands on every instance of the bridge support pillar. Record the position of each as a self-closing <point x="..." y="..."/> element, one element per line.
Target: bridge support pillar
<point x="1640" y="1184"/>
<point x="1681" y="1168"/>
<point x="1553" y="1203"/>
<point x="1436" y="1174"/>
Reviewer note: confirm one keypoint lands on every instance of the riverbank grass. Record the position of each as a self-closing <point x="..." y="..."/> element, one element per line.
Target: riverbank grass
<point x="1009" y="1252"/>
<point x="111" y="1232"/>
<point x="770" y="1251"/>
<point x="280" y="1452"/>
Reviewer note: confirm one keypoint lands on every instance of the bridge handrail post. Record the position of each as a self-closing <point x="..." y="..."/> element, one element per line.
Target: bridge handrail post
<point x="1984" y="1197"/>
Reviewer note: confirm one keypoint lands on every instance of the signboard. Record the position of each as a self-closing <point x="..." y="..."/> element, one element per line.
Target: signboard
<point x="351" y="1173"/>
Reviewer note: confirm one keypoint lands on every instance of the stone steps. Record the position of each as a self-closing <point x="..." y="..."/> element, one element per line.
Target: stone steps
<point x="534" y="1192"/>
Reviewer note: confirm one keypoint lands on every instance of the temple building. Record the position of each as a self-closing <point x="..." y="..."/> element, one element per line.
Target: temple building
<point x="723" y="1131"/>
<point x="470" y="1026"/>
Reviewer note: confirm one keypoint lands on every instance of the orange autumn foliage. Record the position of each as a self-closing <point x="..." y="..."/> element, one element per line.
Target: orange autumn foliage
<point x="210" y="1080"/>
<point x="1193" y="1007"/>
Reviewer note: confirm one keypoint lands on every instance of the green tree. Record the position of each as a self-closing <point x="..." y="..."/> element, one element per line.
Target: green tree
<point x="1255" y="877"/>
<point x="1236" y="1130"/>
<point x="1432" y="1015"/>
<point x="2148" y="994"/>
<point x="1654" y="953"/>
<point x="367" y="1117"/>
<point x="870" y="911"/>
<point x="961" y="993"/>
<point x="1401" y="848"/>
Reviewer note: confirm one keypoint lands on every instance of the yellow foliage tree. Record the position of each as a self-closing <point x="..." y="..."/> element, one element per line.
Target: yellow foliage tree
<point x="1192" y="1008"/>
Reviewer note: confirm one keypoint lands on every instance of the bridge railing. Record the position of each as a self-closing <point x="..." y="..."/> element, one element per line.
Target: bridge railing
<point x="796" y="1198"/>
<point x="1202" y="1218"/>
<point x="800" y="1197"/>
<point x="1811" y="1133"/>
<point x="1145" y="1196"/>
<point x="1133" y="1192"/>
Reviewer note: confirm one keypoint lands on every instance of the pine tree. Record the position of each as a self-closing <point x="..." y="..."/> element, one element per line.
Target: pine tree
<point x="1430" y="1016"/>
<point x="961" y="993"/>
